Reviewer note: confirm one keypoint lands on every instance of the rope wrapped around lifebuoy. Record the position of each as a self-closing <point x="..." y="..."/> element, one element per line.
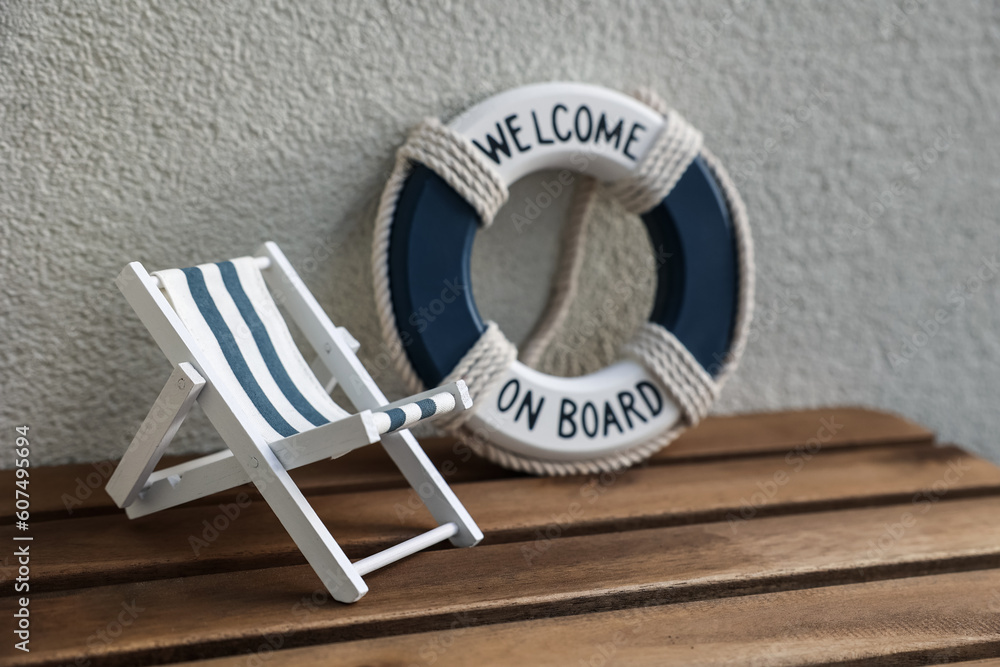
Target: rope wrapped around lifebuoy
<point x="444" y="184"/>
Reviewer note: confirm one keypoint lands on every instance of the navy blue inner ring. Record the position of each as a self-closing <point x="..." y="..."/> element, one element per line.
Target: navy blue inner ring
<point x="430" y="251"/>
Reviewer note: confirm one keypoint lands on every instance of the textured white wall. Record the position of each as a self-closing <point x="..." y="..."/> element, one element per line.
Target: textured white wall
<point x="182" y="132"/>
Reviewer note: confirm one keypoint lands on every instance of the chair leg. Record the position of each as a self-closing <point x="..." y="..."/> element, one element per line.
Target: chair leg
<point x="156" y="432"/>
<point x="252" y="454"/>
<point x="334" y="346"/>
<point x="307" y="530"/>
<point x="188" y="481"/>
<point x="294" y="512"/>
<point x="437" y="496"/>
<point x="220" y="471"/>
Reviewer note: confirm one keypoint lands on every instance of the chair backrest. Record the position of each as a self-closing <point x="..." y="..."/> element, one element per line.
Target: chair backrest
<point x="232" y="316"/>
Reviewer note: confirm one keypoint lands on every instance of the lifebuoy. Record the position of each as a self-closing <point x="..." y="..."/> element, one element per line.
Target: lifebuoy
<point x="528" y="419"/>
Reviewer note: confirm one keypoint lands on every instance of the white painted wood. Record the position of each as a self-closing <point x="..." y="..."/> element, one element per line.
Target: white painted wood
<point x="444" y="404"/>
<point x="262" y="263"/>
<point x="404" y="549"/>
<point x="323" y="374"/>
<point x="352" y="342"/>
<point x="253" y="454"/>
<point x="294" y="512"/>
<point x="458" y="389"/>
<point x="210" y="474"/>
<point x="155" y="433"/>
<point x="250" y="458"/>
<point x="188" y="481"/>
<point x="436" y="495"/>
<point x="331" y="440"/>
<point x="318" y="366"/>
<point x="335" y="350"/>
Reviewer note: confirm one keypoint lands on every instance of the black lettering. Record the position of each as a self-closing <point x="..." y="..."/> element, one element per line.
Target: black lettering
<point x="602" y="126"/>
<point x="565" y="416"/>
<point x="538" y="131"/>
<point x="656" y="394"/>
<point x="583" y="419"/>
<point x="590" y="123"/>
<point x="631" y="138"/>
<point x="495" y="145"/>
<point x="533" y="411"/>
<point x="514" y="129"/>
<point x="555" y="123"/>
<point x="609" y="419"/>
<point x="513" y="382"/>
<point x="627" y="400"/>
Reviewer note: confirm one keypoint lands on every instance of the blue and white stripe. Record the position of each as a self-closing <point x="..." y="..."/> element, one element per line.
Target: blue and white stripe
<point x="229" y="311"/>
<point x="410" y="413"/>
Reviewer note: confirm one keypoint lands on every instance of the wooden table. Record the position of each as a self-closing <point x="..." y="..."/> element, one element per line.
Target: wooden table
<point x="839" y="535"/>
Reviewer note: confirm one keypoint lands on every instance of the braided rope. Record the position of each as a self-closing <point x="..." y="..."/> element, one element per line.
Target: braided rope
<point x="668" y="158"/>
<point x="567" y="275"/>
<point x="747" y="269"/>
<point x="692" y="388"/>
<point x="454" y="158"/>
<point x="380" y="271"/>
<point x="744" y="243"/>
<point x="482" y="367"/>
<point x="677" y="145"/>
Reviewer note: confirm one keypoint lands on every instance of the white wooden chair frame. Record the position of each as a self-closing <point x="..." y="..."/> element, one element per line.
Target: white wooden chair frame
<point x="136" y="487"/>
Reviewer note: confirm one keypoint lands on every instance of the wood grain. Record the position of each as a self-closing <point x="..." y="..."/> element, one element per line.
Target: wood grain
<point x="62" y="492"/>
<point x="198" y="539"/>
<point x="949" y="617"/>
<point x="231" y="613"/>
<point x="769" y="433"/>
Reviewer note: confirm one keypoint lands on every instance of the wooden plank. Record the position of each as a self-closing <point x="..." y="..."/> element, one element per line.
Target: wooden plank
<point x="769" y="433"/>
<point x="212" y="615"/>
<point x="902" y="621"/>
<point x="61" y="492"/>
<point x="244" y="533"/>
<point x="76" y="490"/>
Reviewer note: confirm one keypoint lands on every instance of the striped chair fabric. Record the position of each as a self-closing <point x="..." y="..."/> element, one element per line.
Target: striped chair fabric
<point x="229" y="311"/>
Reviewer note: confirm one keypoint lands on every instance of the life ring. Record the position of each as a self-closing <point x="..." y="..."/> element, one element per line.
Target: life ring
<point x="450" y="180"/>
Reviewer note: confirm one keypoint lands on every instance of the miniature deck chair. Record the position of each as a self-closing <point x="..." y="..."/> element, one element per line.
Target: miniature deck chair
<point x="232" y="352"/>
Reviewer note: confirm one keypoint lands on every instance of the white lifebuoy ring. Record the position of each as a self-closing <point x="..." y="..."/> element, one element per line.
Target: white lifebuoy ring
<point x="450" y="180"/>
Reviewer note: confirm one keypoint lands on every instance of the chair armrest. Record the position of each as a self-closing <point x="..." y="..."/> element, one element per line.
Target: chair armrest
<point x="388" y="420"/>
<point x="458" y="389"/>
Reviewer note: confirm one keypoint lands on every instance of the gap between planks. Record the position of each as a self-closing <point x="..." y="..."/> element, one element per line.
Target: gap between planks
<point x="198" y="539"/>
<point x="912" y="621"/>
<point x="576" y="575"/>
<point x="71" y="491"/>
